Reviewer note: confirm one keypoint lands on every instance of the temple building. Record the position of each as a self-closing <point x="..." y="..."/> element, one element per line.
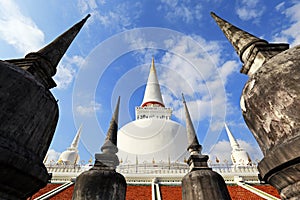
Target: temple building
<point x="71" y="155"/>
<point x="152" y="136"/>
<point x="153" y="157"/>
<point x="239" y="156"/>
<point x="153" y="148"/>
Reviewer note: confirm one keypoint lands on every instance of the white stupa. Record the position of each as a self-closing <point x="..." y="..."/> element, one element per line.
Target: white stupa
<point x="71" y="156"/>
<point x="239" y="156"/>
<point x="152" y="136"/>
<point x="153" y="148"/>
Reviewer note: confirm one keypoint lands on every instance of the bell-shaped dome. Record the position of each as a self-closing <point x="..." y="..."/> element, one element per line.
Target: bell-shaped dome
<point x="71" y="156"/>
<point x="149" y="139"/>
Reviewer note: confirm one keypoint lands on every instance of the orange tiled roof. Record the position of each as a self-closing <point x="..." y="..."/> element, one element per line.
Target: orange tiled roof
<point x="268" y="189"/>
<point x="170" y="192"/>
<point x="138" y="192"/>
<point x="64" y="195"/>
<point x="44" y="190"/>
<point x="167" y="192"/>
<point x="238" y="193"/>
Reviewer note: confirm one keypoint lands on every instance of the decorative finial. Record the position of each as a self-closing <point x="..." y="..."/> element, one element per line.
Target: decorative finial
<point x="183" y="99"/>
<point x="108" y="160"/>
<point x="110" y="144"/>
<point x="194" y="147"/>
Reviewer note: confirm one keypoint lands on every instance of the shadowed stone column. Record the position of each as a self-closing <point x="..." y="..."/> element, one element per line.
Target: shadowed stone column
<point x="102" y="182"/>
<point x="201" y="182"/>
<point x="270" y="105"/>
<point x="29" y="114"/>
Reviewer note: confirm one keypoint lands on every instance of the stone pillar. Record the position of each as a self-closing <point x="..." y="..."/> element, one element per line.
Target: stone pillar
<point x="270" y="105"/>
<point x="29" y="114"/>
<point x="201" y="182"/>
<point x="271" y="109"/>
<point x="102" y="182"/>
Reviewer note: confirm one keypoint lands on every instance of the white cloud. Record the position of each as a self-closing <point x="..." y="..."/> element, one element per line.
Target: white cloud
<point x="280" y="6"/>
<point x="228" y="67"/>
<point x="64" y="76"/>
<point x="19" y="30"/>
<point x="184" y="10"/>
<point x="292" y="32"/>
<point x="202" y="83"/>
<point x="118" y="18"/>
<point x="66" y="71"/>
<point x="89" y="109"/>
<point x="52" y="156"/>
<point x="249" y="10"/>
<point x="86" y="5"/>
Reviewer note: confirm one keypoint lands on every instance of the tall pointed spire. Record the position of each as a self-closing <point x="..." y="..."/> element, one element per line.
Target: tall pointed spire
<point x="232" y="140"/>
<point x="239" y="39"/>
<point x="102" y="181"/>
<point x="238" y="155"/>
<point x="194" y="146"/>
<point x="195" y="184"/>
<point x="75" y="142"/>
<point x="110" y="144"/>
<point x="42" y="64"/>
<point x="54" y="51"/>
<point x="152" y="94"/>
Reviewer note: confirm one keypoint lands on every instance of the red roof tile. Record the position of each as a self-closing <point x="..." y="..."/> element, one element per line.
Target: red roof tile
<point x="44" y="190"/>
<point x="167" y="192"/>
<point x="64" y="195"/>
<point x="239" y="193"/>
<point x="171" y="192"/>
<point x="138" y="192"/>
<point x="268" y="189"/>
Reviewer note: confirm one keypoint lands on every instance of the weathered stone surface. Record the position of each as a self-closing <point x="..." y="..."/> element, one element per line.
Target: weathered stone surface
<point x="271" y="105"/>
<point x="28" y="117"/>
<point x="100" y="185"/>
<point x="271" y="109"/>
<point x="102" y="182"/>
<point x="201" y="182"/>
<point x="272" y="96"/>
<point x="204" y="184"/>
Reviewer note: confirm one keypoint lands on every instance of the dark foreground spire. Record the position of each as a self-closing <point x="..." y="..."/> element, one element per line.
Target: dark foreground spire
<point x="201" y="182"/>
<point x="42" y="64"/>
<point x="102" y="182"/>
<point x="110" y="144"/>
<point x="239" y="39"/>
<point x="252" y="50"/>
<point x="54" y="51"/>
<point x="108" y="158"/>
<point x="29" y="115"/>
<point x="194" y="146"/>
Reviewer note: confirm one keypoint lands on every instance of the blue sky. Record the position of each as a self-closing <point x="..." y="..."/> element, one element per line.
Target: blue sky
<point x="112" y="54"/>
